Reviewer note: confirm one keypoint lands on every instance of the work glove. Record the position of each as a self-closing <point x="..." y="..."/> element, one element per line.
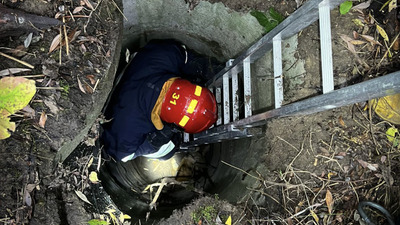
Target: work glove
<point x="166" y="140"/>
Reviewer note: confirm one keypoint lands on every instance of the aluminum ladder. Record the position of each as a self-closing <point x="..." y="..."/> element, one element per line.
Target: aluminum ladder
<point x="230" y="125"/>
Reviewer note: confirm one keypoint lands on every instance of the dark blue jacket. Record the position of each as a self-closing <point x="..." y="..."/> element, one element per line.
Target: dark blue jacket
<point x="134" y="98"/>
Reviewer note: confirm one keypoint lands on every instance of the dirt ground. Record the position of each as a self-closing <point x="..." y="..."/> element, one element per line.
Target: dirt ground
<point x="68" y="87"/>
<point x="342" y="155"/>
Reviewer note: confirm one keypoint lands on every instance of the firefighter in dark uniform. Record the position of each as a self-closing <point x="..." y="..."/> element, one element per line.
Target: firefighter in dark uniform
<point x="156" y="99"/>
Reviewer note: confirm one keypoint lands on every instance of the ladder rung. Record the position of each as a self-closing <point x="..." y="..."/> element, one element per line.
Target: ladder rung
<point x="235" y="97"/>
<point x="226" y="103"/>
<point x="235" y="92"/>
<point x="247" y="87"/>
<point x="278" y="84"/>
<point x="326" y="46"/>
<point x="218" y="98"/>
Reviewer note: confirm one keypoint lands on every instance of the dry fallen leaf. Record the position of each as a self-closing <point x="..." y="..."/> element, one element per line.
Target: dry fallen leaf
<point x="363" y="5"/>
<point x="55" y="43"/>
<point x="91" y="78"/>
<point x="42" y="120"/>
<point x="348" y="40"/>
<point x="11" y="71"/>
<point x="370" y="39"/>
<point x="88" y="88"/>
<point x="28" y="111"/>
<point x="77" y="9"/>
<point x="370" y="166"/>
<point x="358" y="42"/>
<point x="18" y="51"/>
<point x="329" y="201"/>
<point x="341" y="122"/>
<point x="82" y="197"/>
<point x="355" y="35"/>
<point x="28" y="199"/>
<point x="80" y="85"/>
<point x="87" y="2"/>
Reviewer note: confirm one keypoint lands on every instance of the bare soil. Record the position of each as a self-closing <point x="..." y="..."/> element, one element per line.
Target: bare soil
<point x="68" y="89"/>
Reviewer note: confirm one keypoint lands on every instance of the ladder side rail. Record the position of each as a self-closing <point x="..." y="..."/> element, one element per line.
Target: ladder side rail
<point x="326" y="47"/>
<point x="237" y="134"/>
<point x="299" y="20"/>
<point x="226" y="99"/>
<point x="375" y="88"/>
<point x="235" y="94"/>
<point x="218" y="98"/>
<point x="247" y="87"/>
<point x="278" y="71"/>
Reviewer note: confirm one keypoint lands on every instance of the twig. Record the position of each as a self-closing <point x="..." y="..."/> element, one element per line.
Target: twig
<point x="99" y="157"/>
<point x="153" y="202"/>
<point x="95" y="86"/>
<point x="50" y="88"/>
<point x="305" y="210"/>
<point x="17" y="60"/>
<point x="119" y="10"/>
<point x="257" y="178"/>
<point x="288" y="143"/>
<point x="371" y="129"/>
<point x="60" y="45"/>
<point x="72" y="16"/>
<point x="331" y="159"/>
<point x="262" y="180"/>
<point x="33" y="76"/>
<point x="263" y="193"/>
<point x="388" y="49"/>
<point x="77" y="16"/>
<point x="65" y="36"/>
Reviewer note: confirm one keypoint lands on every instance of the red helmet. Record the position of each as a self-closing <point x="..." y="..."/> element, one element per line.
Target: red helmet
<point x="189" y="106"/>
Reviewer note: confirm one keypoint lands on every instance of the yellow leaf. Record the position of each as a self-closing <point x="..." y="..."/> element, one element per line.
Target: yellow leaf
<point x="113" y="217"/>
<point x="358" y="22"/>
<point x="90" y="162"/>
<point x="314" y="216"/>
<point x="123" y="217"/>
<point x="392" y="5"/>
<point x="330" y="174"/>
<point x="93" y="177"/>
<point x="382" y="32"/>
<point x="329" y="201"/>
<point x="5" y="124"/>
<point x="229" y="221"/>
<point x="388" y="108"/>
<point x="391" y="134"/>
